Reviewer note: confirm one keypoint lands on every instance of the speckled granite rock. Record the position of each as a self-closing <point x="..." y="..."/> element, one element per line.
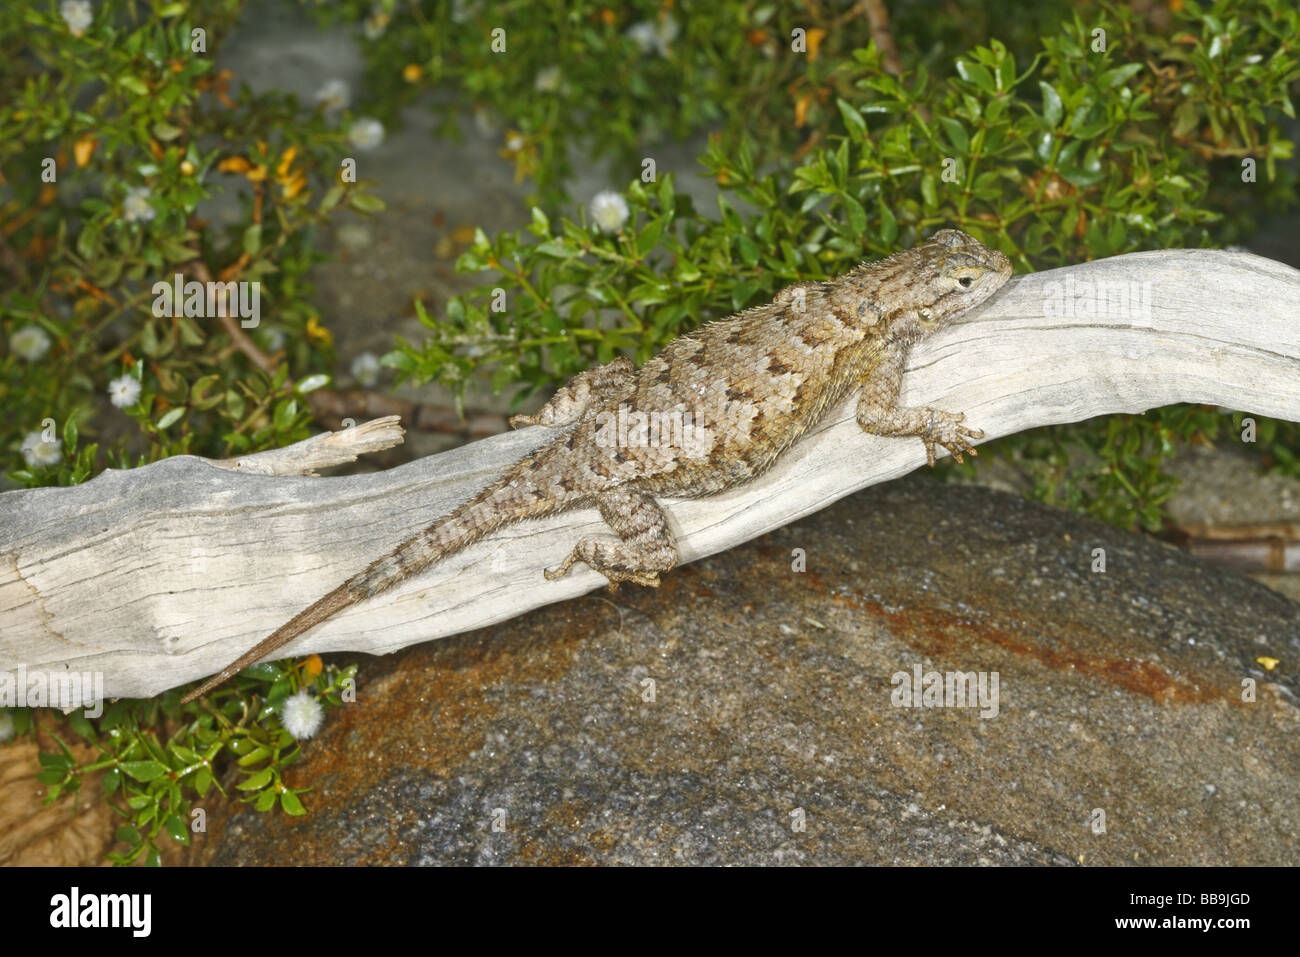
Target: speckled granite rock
<point x="698" y="723"/>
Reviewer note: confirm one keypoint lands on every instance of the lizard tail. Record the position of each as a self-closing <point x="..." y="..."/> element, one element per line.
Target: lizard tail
<point x="511" y="499"/>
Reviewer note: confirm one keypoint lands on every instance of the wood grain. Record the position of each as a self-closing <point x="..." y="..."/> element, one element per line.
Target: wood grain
<point x="160" y="575"/>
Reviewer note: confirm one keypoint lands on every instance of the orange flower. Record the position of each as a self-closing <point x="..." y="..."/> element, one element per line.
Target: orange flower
<point x="234" y="164"/>
<point x="293" y="185"/>
<point x="286" y="161"/>
<point x="801" y="109"/>
<point x="815" y="37"/>
<point x="83" y="148"/>
<point x="316" y="331"/>
<point x="411" y="72"/>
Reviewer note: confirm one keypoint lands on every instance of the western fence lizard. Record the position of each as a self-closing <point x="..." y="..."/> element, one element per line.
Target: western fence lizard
<point x="711" y="411"/>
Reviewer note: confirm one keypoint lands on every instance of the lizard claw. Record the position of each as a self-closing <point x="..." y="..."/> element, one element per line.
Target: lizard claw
<point x="945" y="429"/>
<point x="615" y="575"/>
<point x="519" y="421"/>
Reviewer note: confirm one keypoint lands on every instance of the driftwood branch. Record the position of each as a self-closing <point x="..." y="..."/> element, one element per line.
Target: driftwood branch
<point x="159" y="575"/>
<point x="320" y="451"/>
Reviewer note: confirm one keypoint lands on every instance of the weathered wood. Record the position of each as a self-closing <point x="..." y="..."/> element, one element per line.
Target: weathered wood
<point x="163" y="574"/>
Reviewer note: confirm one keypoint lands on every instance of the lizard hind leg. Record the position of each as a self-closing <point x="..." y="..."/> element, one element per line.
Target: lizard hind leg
<point x="592" y="387"/>
<point x="645" y="546"/>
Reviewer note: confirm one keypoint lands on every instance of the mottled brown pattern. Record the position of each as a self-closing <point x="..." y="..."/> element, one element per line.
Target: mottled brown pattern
<point x="711" y="411"/>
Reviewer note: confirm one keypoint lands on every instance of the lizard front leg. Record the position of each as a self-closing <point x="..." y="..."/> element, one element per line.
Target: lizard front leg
<point x="646" y="546"/>
<point x="879" y="413"/>
<point x="583" y="391"/>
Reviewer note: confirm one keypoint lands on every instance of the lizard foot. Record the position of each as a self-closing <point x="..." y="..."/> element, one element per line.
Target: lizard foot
<point x="519" y="421"/>
<point x="945" y="429"/>
<point x="590" y="552"/>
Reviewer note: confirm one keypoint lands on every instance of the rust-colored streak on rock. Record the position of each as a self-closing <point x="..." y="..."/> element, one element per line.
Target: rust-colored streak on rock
<point x="941" y="630"/>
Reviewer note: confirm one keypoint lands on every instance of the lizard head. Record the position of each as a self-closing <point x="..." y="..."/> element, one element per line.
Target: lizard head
<point x="959" y="272"/>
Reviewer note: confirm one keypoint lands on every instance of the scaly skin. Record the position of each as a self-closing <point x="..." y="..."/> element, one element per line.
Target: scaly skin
<point x="711" y="411"/>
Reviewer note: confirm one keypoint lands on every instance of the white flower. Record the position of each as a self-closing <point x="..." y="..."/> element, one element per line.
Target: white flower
<point x="462" y="10"/>
<point x="643" y="35"/>
<point x="366" y="134"/>
<point x="302" y="715"/>
<point x="376" y="23"/>
<point x="609" y="210"/>
<point x="655" y="36"/>
<point x="334" y="95"/>
<point x="665" y="33"/>
<point x="6" y="726"/>
<point x="365" y="369"/>
<point x="123" y="391"/>
<point x="30" y="343"/>
<point x="39" y="451"/>
<point x="548" y="80"/>
<point x="77" y="15"/>
<point x="136" y="205"/>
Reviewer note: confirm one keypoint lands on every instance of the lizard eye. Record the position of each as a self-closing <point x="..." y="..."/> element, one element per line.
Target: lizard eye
<point x="965" y="282"/>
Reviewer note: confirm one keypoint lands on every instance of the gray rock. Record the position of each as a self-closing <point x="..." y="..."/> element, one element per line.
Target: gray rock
<point x="1120" y="693"/>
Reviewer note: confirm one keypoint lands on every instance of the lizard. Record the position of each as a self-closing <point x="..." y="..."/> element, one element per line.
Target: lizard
<point x="746" y="387"/>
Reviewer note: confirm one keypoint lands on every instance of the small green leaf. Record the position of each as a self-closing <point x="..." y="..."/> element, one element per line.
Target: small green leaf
<point x="289" y="801"/>
<point x="176" y="829"/>
<point x="974" y="73"/>
<point x="313" y="382"/>
<point x="165" y="131"/>
<point x="171" y="416"/>
<point x="332" y="197"/>
<point x="857" y="215"/>
<point x="1121" y="74"/>
<point x="256" y="781"/>
<point x="143" y="771"/>
<point x="133" y="84"/>
<point x="366" y="202"/>
<point x="55" y="762"/>
<point x="558" y="248"/>
<point x="747" y="249"/>
<point x="285" y="410"/>
<point x="853" y="120"/>
<point x="956" y="133"/>
<point x="648" y="237"/>
<point x="1052" y="107"/>
<point x="888" y="225"/>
